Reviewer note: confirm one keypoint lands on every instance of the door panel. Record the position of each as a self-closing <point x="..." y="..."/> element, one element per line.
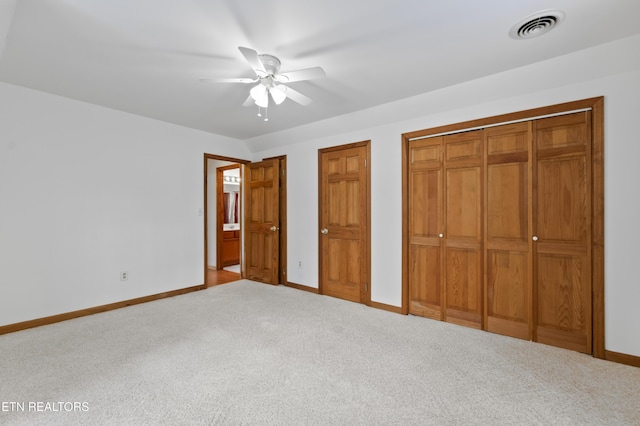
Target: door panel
<point x="508" y="230"/>
<point x="464" y="203"/>
<point x="425" y="281"/>
<point x="426" y="203"/>
<point x="463" y="228"/>
<point x="463" y="286"/>
<point x="262" y="222"/>
<point x="563" y="199"/>
<point x="562" y="219"/>
<point x="343" y="269"/>
<point x="344" y="250"/>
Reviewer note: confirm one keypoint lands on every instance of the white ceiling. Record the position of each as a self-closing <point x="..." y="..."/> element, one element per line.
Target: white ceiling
<point x="146" y="56"/>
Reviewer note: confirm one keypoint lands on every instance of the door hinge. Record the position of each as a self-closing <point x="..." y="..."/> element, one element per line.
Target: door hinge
<point x="366" y="287"/>
<point x="365" y="163"/>
<point x="282" y="172"/>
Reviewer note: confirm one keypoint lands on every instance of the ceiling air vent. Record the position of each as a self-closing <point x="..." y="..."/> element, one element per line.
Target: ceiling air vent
<point x="537" y="24"/>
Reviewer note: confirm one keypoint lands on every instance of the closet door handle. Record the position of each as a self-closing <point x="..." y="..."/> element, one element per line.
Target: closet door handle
<point x="534" y="238"/>
<point x="274" y="228"/>
<point x="324" y="231"/>
<point x="440" y="235"/>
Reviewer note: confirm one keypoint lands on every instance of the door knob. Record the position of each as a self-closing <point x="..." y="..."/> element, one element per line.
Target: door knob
<point x="534" y="238"/>
<point x="441" y="235"/>
<point x="274" y="228"/>
<point x="324" y="231"/>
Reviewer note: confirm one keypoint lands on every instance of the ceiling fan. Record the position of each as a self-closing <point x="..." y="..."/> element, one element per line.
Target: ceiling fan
<point x="271" y="82"/>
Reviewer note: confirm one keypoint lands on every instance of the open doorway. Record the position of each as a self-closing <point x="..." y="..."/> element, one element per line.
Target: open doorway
<point x="224" y="237"/>
<point x="222" y="266"/>
<point x="228" y="208"/>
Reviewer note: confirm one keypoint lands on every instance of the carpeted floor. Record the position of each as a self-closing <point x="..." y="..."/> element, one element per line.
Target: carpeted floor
<point x="251" y="354"/>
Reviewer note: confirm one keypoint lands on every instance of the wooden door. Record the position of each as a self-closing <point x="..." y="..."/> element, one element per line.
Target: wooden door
<point x="262" y="221"/>
<point x="344" y="222"/>
<point x="562" y="231"/>
<point x="463" y="206"/>
<point x="426" y="227"/>
<point x="508" y="226"/>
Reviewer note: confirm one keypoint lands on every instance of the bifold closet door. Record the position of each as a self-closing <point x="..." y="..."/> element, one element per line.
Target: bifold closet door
<point x="508" y="288"/>
<point x="500" y="229"/>
<point x="463" y="216"/>
<point x="426" y="228"/>
<point x="562" y="231"/>
<point x="445" y="228"/>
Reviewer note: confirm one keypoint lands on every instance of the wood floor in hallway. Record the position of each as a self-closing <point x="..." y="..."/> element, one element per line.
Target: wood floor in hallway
<point x="217" y="277"/>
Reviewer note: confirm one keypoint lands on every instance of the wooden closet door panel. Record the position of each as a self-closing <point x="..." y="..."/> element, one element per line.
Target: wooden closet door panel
<point x="562" y="225"/>
<point x="508" y="229"/>
<point x="425" y="281"/>
<point x="425" y="227"/>
<point x="463" y="215"/>
<point x="464" y="204"/>
<point x="464" y="286"/>
<point x="564" y="317"/>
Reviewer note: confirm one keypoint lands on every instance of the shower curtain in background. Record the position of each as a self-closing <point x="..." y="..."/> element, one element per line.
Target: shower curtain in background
<point x="231" y="207"/>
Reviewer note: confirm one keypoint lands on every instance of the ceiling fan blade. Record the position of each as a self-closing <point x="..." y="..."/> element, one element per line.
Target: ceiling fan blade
<point x="252" y="58"/>
<point x="296" y="96"/>
<point x="231" y="80"/>
<point x="299" y="75"/>
<point x="249" y="102"/>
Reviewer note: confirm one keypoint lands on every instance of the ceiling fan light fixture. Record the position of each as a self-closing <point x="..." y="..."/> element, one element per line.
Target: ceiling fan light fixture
<point x="260" y="94"/>
<point x="264" y="103"/>
<point x="278" y="94"/>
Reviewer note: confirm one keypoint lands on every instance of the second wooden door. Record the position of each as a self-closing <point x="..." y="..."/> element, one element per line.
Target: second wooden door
<point x="262" y="221"/>
<point x="344" y="222"/>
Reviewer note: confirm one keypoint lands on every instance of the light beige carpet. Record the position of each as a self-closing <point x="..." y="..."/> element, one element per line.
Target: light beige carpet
<point x="251" y="354"/>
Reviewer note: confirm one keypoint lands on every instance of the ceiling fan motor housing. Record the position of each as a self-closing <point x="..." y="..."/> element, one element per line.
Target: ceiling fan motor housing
<point x="270" y="63"/>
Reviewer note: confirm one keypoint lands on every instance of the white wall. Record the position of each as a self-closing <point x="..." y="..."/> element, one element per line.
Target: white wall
<point x="609" y="70"/>
<point x="87" y="192"/>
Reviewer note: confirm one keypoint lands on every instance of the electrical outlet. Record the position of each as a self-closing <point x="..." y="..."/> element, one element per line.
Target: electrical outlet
<point x="124" y="276"/>
<point x="300" y="264"/>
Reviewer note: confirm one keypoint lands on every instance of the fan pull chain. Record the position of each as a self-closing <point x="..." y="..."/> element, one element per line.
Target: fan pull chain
<point x="266" y="113"/>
